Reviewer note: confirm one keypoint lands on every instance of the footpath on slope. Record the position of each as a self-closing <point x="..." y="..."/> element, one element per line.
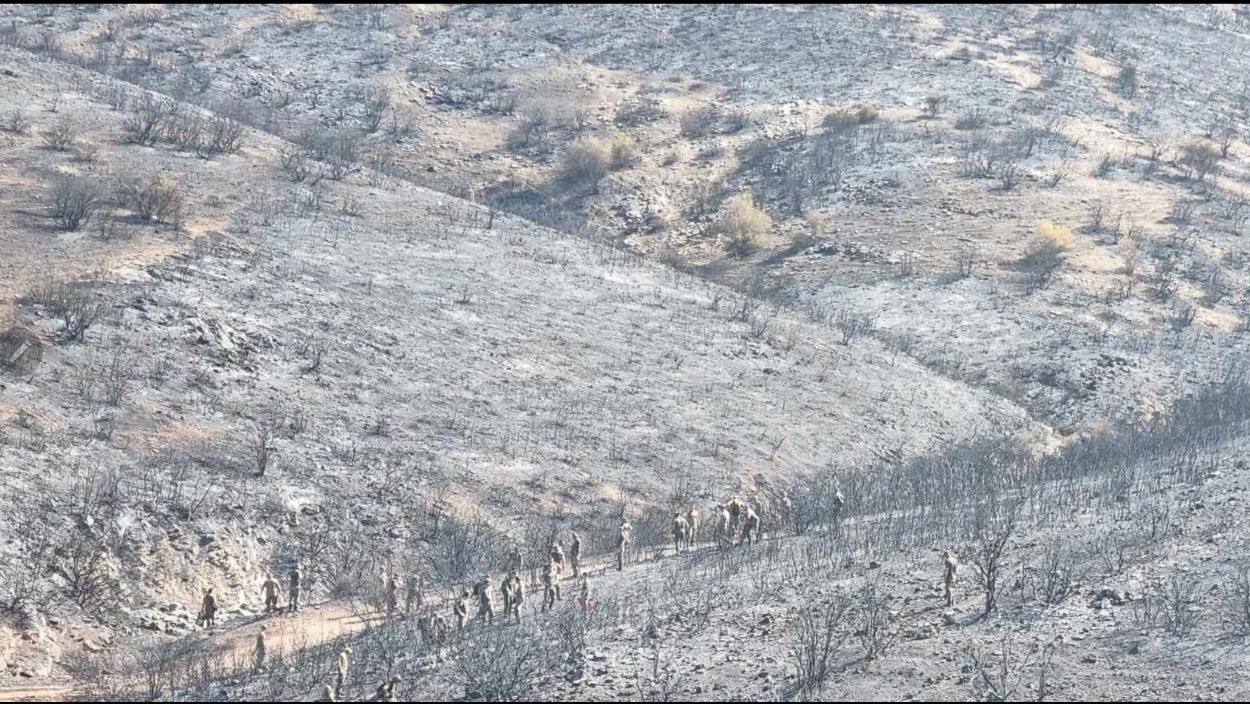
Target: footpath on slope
<point x="328" y="621"/>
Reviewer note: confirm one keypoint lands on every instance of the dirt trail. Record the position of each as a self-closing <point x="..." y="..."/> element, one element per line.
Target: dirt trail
<point x="313" y="625"/>
<point x="326" y="622"/>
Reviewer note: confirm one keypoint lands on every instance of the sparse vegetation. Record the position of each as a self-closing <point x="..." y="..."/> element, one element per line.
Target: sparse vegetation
<point x="76" y="304"/>
<point x="1126" y="81"/>
<point x="973" y="119"/>
<point x="700" y="122"/>
<point x="742" y="224"/>
<point x="819" y="633"/>
<point x="62" y="135"/>
<point x="640" y="111"/>
<point x="551" y="314"/>
<point x="16" y="121"/>
<point x="155" y="198"/>
<point x="587" y="161"/>
<point x="1200" y="160"/>
<point x="74" y="201"/>
<point x="1045" y="255"/>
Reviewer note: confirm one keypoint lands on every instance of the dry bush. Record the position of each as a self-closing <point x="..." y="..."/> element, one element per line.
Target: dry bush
<point x="206" y="136"/>
<point x="1173" y="606"/>
<point x="86" y="151"/>
<point x="1131" y="253"/>
<point x="1059" y="573"/>
<point x="1236" y="599"/>
<point x="700" y="122"/>
<point x="1008" y="676"/>
<point x="402" y="127"/>
<point x="974" y="119"/>
<point x="586" y="162"/>
<point x="16" y="121"/>
<point x="841" y="122"/>
<point x="1214" y="287"/>
<point x="866" y="114"/>
<point x="74" y="201"/>
<point x="143" y="124"/>
<point x="1055" y="235"/>
<point x="261" y="445"/>
<point x="1181" y="315"/>
<point x="1200" y="159"/>
<point x="737" y="121"/>
<point x="818" y="634"/>
<point x="1127" y="81"/>
<point x="115" y="375"/>
<point x="853" y="325"/>
<point x="640" y="111"/>
<point x="506" y="665"/>
<point x="477" y="92"/>
<point x="965" y="262"/>
<point x="374" y="103"/>
<point x="1098" y="211"/>
<point x="624" y="153"/>
<point x="816" y="221"/>
<point x="1008" y="174"/>
<point x="877" y="626"/>
<point x="545" y="125"/>
<point x="1040" y="263"/>
<point x="61" y="135"/>
<point x="742" y="223"/>
<point x="1225" y="137"/>
<point x="296" y="163"/>
<point x="533" y="133"/>
<point x="933" y="105"/>
<point x="73" y="302"/>
<point x="1182" y="210"/>
<point x="89" y="572"/>
<point x="157" y="198"/>
<point x="341" y="152"/>
<point x="992" y="526"/>
<point x="1106" y="163"/>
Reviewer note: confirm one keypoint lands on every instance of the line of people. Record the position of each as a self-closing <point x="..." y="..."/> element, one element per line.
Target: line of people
<point x="512" y="589"/>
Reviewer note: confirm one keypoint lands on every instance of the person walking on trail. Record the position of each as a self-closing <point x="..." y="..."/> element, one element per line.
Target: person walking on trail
<point x="295" y="582"/>
<point x="750" y="527"/>
<point x="951" y="565"/>
<point x="386" y="691"/>
<point x="551" y="585"/>
<point x="344" y="660"/>
<point x="413" y="598"/>
<point x="208" y="610"/>
<point x="557" y="556"/>
<point x="485" y="601"/>
<point x="271" y="590"/>
<point x="438" y="635"/>
<point x="622" y="544"/>
<point x="680" y="529"/>
<point x="390" y="599"/>
<point x="505" y="590"/>
<point x="724" y="529"/>
<point x="575" y="556"/>
<point x="460" y="609"/>
<point x="261" y="649"/>
<point x="514" y="561"/>
<point x="583" y="597"/>
<point x="735" y="507"/>
<point x="518" y="594"/>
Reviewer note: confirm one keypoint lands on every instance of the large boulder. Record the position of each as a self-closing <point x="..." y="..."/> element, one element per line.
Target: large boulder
<point x="21" y="350"/>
